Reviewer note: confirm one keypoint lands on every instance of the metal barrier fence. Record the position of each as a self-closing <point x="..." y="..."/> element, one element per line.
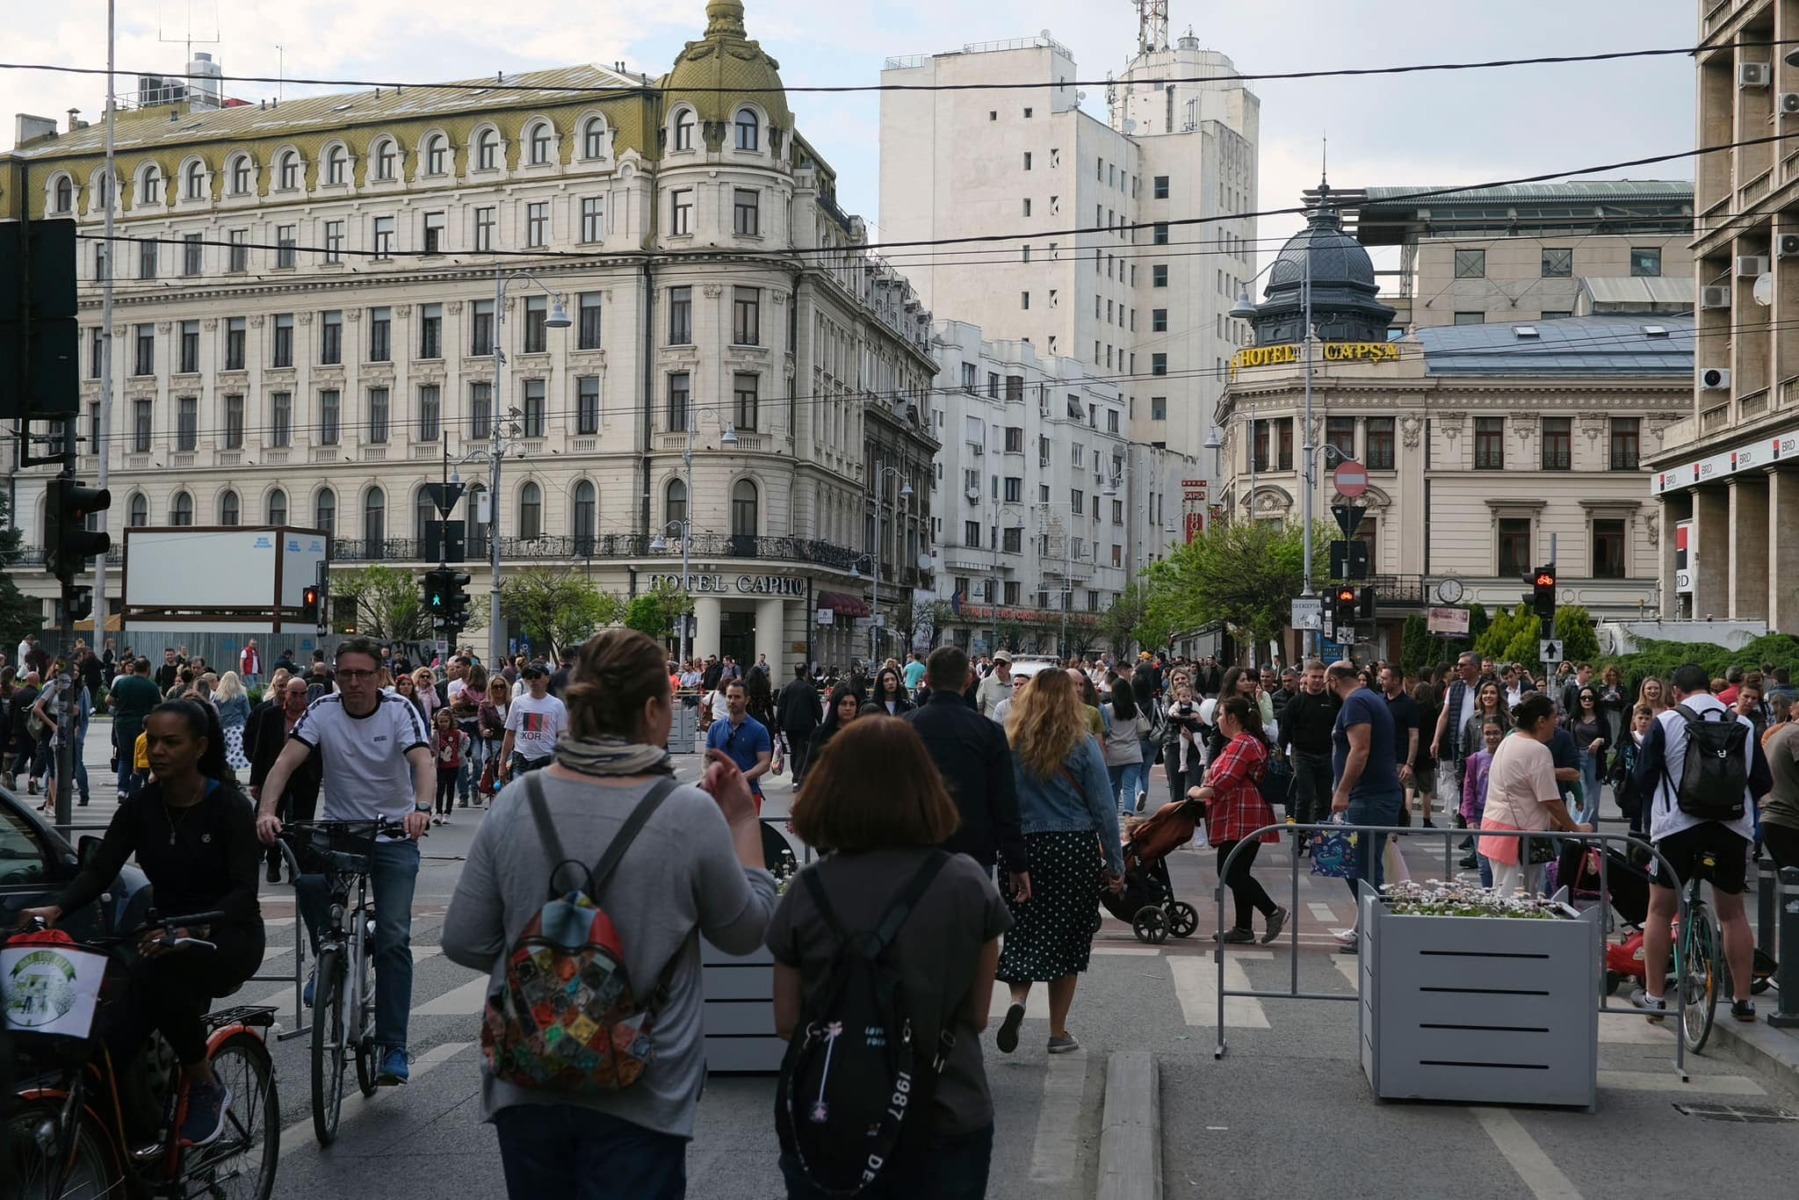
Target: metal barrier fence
<point x="1449" y="836"/>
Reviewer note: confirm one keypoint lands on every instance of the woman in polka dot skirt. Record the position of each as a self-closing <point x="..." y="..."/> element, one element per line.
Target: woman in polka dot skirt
<point x="1071" y="828"/>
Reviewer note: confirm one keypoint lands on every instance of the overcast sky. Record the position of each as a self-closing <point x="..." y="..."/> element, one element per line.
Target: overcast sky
<point x="1432" y="128"/>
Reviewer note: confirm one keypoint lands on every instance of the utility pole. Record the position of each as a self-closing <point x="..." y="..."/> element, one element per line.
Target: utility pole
<point x="102" y="447"/>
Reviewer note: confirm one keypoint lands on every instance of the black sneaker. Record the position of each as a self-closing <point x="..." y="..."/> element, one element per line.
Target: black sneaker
<point x="1007" y="1037"/>
<point x="1277" y="920"/>
<point x="1743" y="1010"/>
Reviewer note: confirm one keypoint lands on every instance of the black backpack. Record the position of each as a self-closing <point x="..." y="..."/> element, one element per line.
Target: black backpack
<point x="855" y="1085"/>
<point x="1716" y="768"/>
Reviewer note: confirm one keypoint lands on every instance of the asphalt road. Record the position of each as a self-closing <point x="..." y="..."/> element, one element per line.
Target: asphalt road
<point x="1285" y="1113"/>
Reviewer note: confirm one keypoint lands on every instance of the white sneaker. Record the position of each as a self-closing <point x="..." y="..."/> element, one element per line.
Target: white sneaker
<point x="1345" y="937"/>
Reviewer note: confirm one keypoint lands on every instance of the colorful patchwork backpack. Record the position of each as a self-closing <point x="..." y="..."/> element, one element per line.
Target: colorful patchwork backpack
<point x="567" y="1018"/>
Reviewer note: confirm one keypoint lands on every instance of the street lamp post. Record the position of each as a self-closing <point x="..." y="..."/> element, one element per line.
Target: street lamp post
<point x="558" y="319"/>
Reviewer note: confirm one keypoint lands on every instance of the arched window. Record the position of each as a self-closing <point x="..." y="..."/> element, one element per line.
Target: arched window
<point x="593" y="138"/>
<point x="747" y="130"/>
<point x="586" y="524"/>
<point x="324" y="511"/>
<point x="676" y="507"/>
<point x="150" y="190"/>
<point x="437" y="154"/>
<point x="230" y="510"/>
<point x="374" y="519"/>
<point x="684" y="129"/>
<point x="277" y="507"/>
<point x="487" y="150"/>
<point x="65" y="194"/>
<point x="474" y="528"/>
<point x="386" y="155"/>
<point x="540" y="143"/>
<point x="288" y="171"/>
<point x="530" y="512"/>
<point x="140" y="511"/>
<point x="743" y="509"/>
<point x="240" y="175"/>
<point x="424" y="511"/>
<point x="181" y="509"/>
<point x="196" y="181"/>
<point x="337" y="163"/>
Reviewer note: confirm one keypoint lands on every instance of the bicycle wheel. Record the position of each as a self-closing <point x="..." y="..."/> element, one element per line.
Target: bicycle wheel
<point x="241" y="1164"/>
<point x="37" y="1168"/>
<point x="362" y="1021"/>
<point x="1699" y="976"/>
<point x="329" y="1046"/>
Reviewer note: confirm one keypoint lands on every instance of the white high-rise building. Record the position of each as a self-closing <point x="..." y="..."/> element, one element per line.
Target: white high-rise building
<point x="1121" y="260"/>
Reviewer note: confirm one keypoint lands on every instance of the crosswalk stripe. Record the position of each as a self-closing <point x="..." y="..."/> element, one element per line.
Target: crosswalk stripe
<point x="1036" y="1005"/>
<point x="1667" y="1081"/>
<point x="1055" y="1151"/>
<point x="464" y="1001"/>
<point x="1196" y="987"/>
<point x="300" y="1134"/>
<point x="1322" y="913"/>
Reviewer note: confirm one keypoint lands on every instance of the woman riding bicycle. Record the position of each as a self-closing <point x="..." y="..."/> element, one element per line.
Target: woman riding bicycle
<point x="194" y="836"/>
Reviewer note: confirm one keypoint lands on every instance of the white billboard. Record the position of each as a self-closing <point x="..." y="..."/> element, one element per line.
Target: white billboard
<point x="241" y="571"/>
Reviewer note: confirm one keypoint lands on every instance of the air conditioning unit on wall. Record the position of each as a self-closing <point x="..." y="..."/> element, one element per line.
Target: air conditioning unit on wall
<point x="1755" y="75"/>
<point x="1714" y="296"/>
<point x="1787" y="245"/>
<point x="1714" y="379"/>
<point x="1750" y="266"/>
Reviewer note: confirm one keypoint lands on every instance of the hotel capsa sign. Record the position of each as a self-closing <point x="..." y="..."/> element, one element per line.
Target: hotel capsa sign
<point x="1275" y="356"/>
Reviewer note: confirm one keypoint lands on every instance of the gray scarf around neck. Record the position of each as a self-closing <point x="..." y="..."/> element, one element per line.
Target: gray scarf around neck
<point x="612" y="756"/>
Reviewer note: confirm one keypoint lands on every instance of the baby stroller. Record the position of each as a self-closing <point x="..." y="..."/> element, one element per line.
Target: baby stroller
<point x="1147" y="901"/>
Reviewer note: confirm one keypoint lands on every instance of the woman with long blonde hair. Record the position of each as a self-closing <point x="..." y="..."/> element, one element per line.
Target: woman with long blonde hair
<point x="233" y="704"/>
<point x="1071" y="829"/>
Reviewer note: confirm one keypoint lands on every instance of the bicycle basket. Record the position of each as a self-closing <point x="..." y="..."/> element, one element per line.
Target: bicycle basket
<point x="49" y="984"/>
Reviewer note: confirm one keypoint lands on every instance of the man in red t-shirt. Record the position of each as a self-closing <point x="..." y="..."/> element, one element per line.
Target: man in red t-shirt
<point x="249" y="664"/>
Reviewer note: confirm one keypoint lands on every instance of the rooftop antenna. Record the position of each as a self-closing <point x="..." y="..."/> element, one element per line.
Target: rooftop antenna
<point x="188" y="39"/>
<point x="1152" y="25"/>
<point x="280" y="71"/>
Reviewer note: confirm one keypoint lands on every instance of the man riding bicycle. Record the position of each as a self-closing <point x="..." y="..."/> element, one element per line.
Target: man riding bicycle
<point x="191" y="832"/>
<point x="1681" y="829"/>
<point x="376" y="757"/>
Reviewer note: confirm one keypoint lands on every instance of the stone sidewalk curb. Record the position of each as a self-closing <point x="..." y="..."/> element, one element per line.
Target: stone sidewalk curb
<point x="1130" y="1139"/>
<point x="1758" y="1044"/>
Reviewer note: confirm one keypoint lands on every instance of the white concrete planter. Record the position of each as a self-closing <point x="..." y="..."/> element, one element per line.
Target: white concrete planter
<point x="1486" y="1010"/>
<point x="739" y="1011"/>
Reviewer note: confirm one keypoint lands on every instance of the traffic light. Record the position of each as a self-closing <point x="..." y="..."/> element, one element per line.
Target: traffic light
<point x="309" y="605"/>
<point x="1542" y="592"/>
<point x="68" y="542"/>
<point x="39" y="339"/>
<point x="436" y="593"/>
<point x="80" y="603"/>
<point x="1365" y="603"/>
<point x="455" y="609"/>
<point x="1344" y="605"/>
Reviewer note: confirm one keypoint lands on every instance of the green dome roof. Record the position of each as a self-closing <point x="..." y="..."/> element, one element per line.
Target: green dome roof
<point x="727" y="69"/>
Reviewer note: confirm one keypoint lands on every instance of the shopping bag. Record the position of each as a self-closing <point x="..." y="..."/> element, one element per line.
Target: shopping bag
<point x="1333" y="851"/>
<point x="779" y="762"/>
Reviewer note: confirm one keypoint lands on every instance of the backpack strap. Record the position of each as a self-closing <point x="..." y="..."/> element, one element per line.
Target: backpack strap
<point x="621" y="841"/>
<point x="897" y="912"/>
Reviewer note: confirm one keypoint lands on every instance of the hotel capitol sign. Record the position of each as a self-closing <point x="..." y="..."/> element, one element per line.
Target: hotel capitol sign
<point x="747" y="585"/>
<point x="1275" y="356"/>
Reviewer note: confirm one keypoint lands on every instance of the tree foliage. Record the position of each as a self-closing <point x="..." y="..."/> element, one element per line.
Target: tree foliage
<point x="389" y="604"/>
<point x="19" y="614"/>
<point x="1515" y="632"/>
<point x="1241" y="573"/>
<point x="558" y="606"/>
<point x="1121" y="624"/>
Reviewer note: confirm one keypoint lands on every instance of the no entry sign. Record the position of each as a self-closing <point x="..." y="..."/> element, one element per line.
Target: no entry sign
<point x="1351" y="479"/>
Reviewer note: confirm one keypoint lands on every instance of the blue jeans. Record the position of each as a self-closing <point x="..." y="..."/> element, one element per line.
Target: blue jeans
<point x="1587" y="811"/>
<point x="393" y="873"/>
<point x="1378" y="809"/>
<point x="1127" y="781"/>
<point x="469" y="776"/>
<point x="573" y="1153"/>
<point x="949" y="1169"/>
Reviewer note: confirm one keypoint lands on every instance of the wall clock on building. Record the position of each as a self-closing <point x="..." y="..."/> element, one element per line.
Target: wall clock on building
<point x="1449" y="591"/>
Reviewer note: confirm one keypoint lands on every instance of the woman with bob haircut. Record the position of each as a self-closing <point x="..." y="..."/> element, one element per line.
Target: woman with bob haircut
<point x="946" y="952"/>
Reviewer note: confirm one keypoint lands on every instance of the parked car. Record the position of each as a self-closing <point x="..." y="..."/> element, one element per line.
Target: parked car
<point x="36" y="862"/>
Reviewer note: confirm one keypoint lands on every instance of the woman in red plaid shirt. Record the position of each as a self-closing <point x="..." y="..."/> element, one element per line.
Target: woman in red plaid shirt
<point x="1235" y="809"/>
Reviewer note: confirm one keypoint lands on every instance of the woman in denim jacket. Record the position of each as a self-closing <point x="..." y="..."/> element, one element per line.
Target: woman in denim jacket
<point x="1065" y="808"/>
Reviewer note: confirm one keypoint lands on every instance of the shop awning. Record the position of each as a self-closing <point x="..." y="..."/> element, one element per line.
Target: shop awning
<point x="844" y="604"/>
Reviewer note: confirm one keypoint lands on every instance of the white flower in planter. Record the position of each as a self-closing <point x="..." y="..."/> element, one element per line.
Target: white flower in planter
<point x="1454" y="898"/>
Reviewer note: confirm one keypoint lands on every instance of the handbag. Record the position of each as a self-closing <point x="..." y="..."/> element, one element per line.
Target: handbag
<point x="1277" y="784"/>
<point x="1539" y="851"/>
<point x="1333" y="851"/>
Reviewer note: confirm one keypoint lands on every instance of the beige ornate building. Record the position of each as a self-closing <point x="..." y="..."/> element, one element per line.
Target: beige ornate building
<point x="1479" y="441"/>
<point x="305" y="322"/>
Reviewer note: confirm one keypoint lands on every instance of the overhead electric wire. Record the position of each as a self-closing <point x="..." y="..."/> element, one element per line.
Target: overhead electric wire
<point x="499" y="84"/>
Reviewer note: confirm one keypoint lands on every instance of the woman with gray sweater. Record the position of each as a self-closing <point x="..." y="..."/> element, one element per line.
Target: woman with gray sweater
<point x="695" y="868"/>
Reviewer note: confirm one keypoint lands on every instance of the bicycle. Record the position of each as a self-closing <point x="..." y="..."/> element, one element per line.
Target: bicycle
<point x="69" y="1139"/>
<point x="1698" y="965"/>
<point x="343" y="1001"/>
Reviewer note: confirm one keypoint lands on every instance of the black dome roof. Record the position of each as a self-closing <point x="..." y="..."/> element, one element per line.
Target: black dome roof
<point x="1345" y="296"/>
<point x="1337" y="258"/>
